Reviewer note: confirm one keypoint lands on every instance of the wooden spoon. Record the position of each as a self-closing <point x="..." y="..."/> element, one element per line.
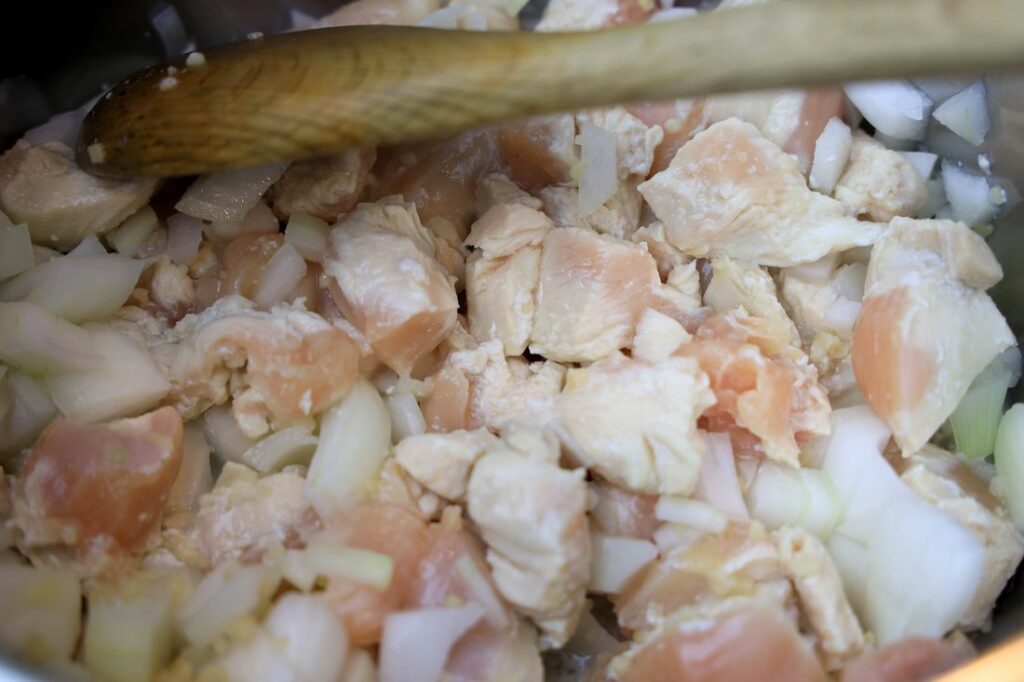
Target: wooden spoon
<point x="304" y="94"/>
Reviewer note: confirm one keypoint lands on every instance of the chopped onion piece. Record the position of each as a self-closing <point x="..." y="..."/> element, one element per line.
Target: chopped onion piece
<point x="37" y="341"/>
<point x="406" y="416"/>
<point x="976" y="418"/>
<point x="969" y="195"/>
<point x="941" y="89"/>
<point x="15" y="250"/>
<point x="297" y="571"/>
<point x="1009" y="457"/>
<point x="894" y="143"/>
<point x="229" y="592"/>
<point x="831" y="154"/>
<point x="966" y="113"/>
<point x="283" y="272"/>
<point x="673" y="536"/>
<point x="600" y="178"/>
<point x="936" y="198"/>
<point x="194" y="477"/>
<point x="42" y="609"/>
<point x="90" y="246"/>
<point x="415" y="644"/>
<point x="359" y="667"/>
<point x="293" y="445"/>
<point x="184" y="235"/>
<point x="896" y="108"/>
<point x="692" y="513"/>
<point x="614" y="560"/>
<point x="126" y="383"/>
<point x="718" y="484"/>
<point x="227" y="196"/>
<point x="308" y="234"/>
<point x="480" y="588"/>
<point x="226" y="438"/>
<point x="784" y="496"/>
<point x="133" y="232"/>
<point x="259" y="220"/>
<point x="363" y="566"/>
<point x="128" y="637"/>
<point x="314" y="640"/>
<point x="31" y="410"/>
<point x="923" y="162"/>
<point x="355" y="437"/>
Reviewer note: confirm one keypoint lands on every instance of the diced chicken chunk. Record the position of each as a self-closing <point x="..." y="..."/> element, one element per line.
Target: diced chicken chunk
<point x="244" y="515"/>
<point x="927" y="327"/>
<point x="618" y="511"/>
<point x="879" y="184"/>
<point x="579" y="15"/>
<point x="441" y="462"/>
<point x="657" y="337"/>
<point x="172" y="293"/>
<point x="61" y="203"/>
<point x="737" y="284"/>
<point x="946" y="482"/>
<point x="636" y="424"/>
<point x="533" y="517"/>
<point x="539" y="151"/>
<point x="635" y="141"/>
<point x="618" y="217"/>
<point x="280" y="368"/>
<point x="326" y="187"/>
<point x="831" y="304"/>
<point x="680" y="119"/>
<point x="731" y="192"/>
<point x="392" y="290"/>
<point x="807" y="564"/>
<point x="245" y="260"/>
<point x="909" y="660"/>
<point x="496" y="188"/>
<point x="99" y="486"/>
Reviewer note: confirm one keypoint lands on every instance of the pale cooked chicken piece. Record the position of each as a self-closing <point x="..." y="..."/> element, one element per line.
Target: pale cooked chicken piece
<point x="831" y="303"/>
<point x="243" y="515"/>
<point x="172" y="293"/>
<point x="927" y="328"/>
<point x="636" y="423"/>
<point x="635" y="141"/>
<point x="532" y="515"/>
<point x="809" y="567"/>
<point x="506" y="228"/>
<point x="578" y="15"/>
<point x="43" y="187"/>
<point x="729" y="191"/>
<point x="617" y="217"/>
<point x="879" y="184"/>
<point x="280" y="368"/>
<point x="948" y="483"/>
<point x="657" y="337"/>
<point x="496" y="188"/>
<point x="441" y="462"/>
<point x="326" y="187"/>
<point x="392" y="290"/>
<point x="738" y="284"/>
<point x="668" y="257"/>
<point x="593" y="289"/>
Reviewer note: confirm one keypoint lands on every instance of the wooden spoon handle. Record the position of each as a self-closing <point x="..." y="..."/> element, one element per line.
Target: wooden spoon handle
<point x="311" y="93"/>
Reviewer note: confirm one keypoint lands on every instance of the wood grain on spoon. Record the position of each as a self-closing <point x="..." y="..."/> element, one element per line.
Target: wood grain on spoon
<point x="311" y="93"/>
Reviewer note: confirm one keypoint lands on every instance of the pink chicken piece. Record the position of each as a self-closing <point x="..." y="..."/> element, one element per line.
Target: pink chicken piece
<point x="326" y="187"/>
<point x="910" y="660"/>
<point x="102" y="483"/>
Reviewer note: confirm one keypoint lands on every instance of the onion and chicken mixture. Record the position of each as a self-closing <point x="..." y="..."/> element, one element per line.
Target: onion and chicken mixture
<point x="696" y="390"/>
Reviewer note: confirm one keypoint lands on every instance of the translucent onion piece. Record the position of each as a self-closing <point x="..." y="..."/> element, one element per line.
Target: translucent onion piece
<point x="195" y="477"/>
<point x="63" y="127"/>
<point x="259" y="220"/>
<point x="229" y="592"/>
<point x="184" y="236"/>
<point x="308" y="234"/>
<point x="969" y="195"/>
<point x="228" y="195"/>
<point x="923" y="162"/>
<point x="41" y="254"/>
<point x="614" y="560"/>
<point x="692" y="513"/>
<point x="976" y="419"/>
<point x="130" y="235"/>
<point x="224" y="435"/>
<point x="941" y="89"/>
<point x="128" y="637"/>
<point x="482" y="593"/>
<point x="831" y="154"/>
<point x="15" y="250"/>
<point x="313" y="640"/>
<point x="406" y="416"/>
<point x="126" y="383"/>
<point x="600" y="168"/>
<point x="31" y="410"/>
<point x="42" y="611"/>
<point x="415" y="644"/>
<point x="966" y="113"/>
<point x="896" y="108"/>
<point x="355" y="437"/>
<point x="90" y="246"/>
<point x="359" y="667"/>
<point x="936" y="198"/>
<point x="1009" y="457"/>
<point x="293" y="445"/>
<point x="359" y="565"/>
<point x="718" y="484"/>
<point x="784" y="496"/>
<point x="673" y="536"/>
<point x="37" y="341"/>
<point x="282" y="274"/>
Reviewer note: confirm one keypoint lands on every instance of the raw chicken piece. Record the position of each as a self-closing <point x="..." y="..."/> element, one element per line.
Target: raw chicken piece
<point x="62" y="204"/>
<point x="807" y="564"/>
<point x="879" y="184"/>
<point x="579" y="15"/>
<point x="635" y="141"/>
<point x="740" y="560"/>
<point x="172" y="292"/>
<point x="481" y="387"/>
<point x="737" y="284"/>
<point x="387" y="12"/>
<point x="539" y="151"/>
<point x="618" y="217"/>
<point x="280" y="367"/>
<point x="927" y="327"/>
<point x="731" y="192"/>
<point x="392" y="291"/>
<point x="533" y="517"/>
<point x="946" y="482"/>
<point x="911" y="660"/>
<point x="621" y="512"/>
<point x="502" y="275"/>
<point x="740" y="639"/>
<point x="636" y="424"/>
<point x="441" y="462"/>
<point x="592" y="291"/>
<point x="245" y="259"/>
<point x="243" y="516"/>
<point x="98" y="486"/>
<point x="496" y="188"/>
<point x="680" y="120"/>
<point x="326" y="187"/>
<point x="791" y="119"/>
<point x="762" y="384"/>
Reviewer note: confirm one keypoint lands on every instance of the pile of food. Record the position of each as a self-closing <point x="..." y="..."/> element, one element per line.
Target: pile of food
<point x="698" y="390"/>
